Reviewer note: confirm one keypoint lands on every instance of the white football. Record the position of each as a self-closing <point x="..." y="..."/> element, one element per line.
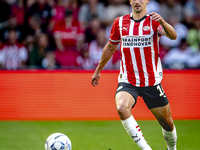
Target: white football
<point x="58" y="141"/>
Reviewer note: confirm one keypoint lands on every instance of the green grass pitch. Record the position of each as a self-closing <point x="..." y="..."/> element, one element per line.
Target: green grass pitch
<point x="93" y="135"/>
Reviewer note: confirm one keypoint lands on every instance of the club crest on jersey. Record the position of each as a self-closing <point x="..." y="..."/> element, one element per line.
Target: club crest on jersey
<point x="146" y="28"/>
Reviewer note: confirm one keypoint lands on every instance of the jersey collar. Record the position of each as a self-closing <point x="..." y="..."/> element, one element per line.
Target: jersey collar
<point x="131" y="16"/>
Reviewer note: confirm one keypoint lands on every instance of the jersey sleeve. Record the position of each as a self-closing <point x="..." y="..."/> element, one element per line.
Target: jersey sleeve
<point x="115" y="33"/>
<point x="159" y="29"/>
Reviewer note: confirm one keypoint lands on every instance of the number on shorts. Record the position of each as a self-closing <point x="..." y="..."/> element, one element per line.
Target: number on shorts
<point x="159" y="88"/>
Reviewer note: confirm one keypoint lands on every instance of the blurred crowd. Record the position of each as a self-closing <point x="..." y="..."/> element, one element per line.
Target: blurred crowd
<point x="71" y="34"/>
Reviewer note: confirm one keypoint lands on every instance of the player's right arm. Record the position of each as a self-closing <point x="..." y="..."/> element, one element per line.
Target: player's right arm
<point x="108" y="51"/>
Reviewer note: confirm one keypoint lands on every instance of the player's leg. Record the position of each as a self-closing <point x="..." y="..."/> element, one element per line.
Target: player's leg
<point x="163" y="115"/>
<point x="124" y="102"/>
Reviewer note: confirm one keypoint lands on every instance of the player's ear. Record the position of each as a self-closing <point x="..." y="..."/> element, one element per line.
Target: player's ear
<point x="147" y="1"/>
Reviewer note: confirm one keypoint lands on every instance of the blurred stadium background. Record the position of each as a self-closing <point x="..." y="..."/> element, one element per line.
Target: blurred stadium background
<point x="70" y="34"/>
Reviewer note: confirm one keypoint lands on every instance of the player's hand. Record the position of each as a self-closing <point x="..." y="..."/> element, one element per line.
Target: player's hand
<point x="156" y="17"/>
<point x="95" y="79"/>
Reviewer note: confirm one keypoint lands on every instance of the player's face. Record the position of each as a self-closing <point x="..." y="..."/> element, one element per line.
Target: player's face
<point x="138" y="5"/>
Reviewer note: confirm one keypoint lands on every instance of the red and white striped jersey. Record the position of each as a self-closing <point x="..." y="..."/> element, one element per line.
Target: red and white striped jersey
<point x="140" y="63"/>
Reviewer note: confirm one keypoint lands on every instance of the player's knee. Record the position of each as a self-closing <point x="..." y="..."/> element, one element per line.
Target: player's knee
<point x="124" y="102"/>
<point x="167" y="124"/>
<point x="122" y="108"/>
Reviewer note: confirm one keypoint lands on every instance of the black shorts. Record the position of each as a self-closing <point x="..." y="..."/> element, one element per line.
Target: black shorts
<point x="154" y="96"/>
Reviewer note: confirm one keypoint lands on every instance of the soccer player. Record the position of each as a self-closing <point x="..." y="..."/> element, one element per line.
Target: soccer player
<point x="140" y="70"/>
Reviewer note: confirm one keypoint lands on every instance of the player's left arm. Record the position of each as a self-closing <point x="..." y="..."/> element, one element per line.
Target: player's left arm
<point x="168" y="29"/>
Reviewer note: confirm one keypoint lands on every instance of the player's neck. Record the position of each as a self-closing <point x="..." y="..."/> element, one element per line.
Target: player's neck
<point x="138" y="16"/>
